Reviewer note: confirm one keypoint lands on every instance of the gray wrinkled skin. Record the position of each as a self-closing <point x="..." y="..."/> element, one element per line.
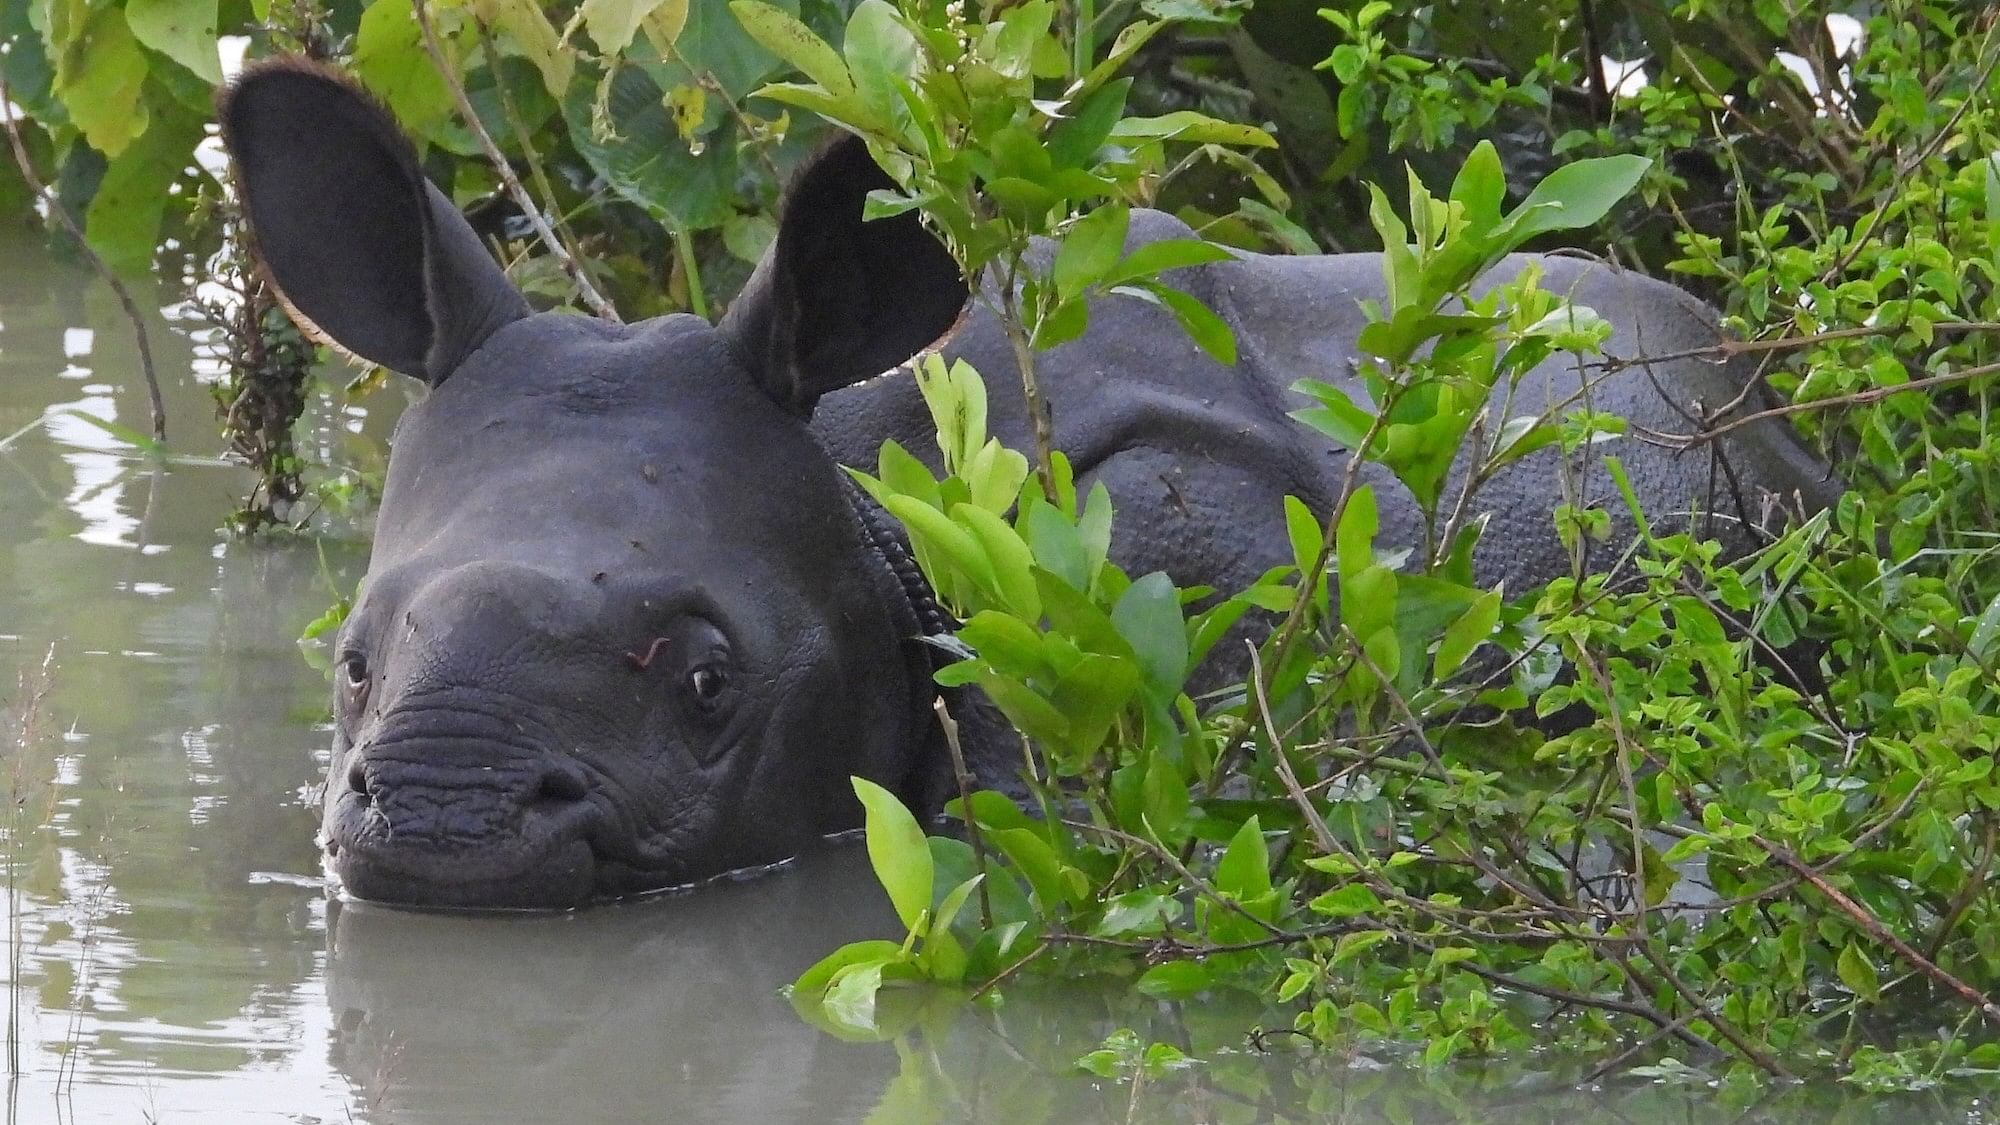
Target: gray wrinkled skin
<point x="625" y="628"/>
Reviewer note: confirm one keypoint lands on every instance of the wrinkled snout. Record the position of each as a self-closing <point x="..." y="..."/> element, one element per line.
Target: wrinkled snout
<point x="440" y="808"/>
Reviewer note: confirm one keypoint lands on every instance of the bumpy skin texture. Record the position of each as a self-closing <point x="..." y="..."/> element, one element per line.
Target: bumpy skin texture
<point x="1199" y="457"/>
<point x="625" y="626"/>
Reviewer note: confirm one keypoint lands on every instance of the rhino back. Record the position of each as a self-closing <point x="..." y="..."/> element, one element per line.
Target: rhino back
<point x="1199" y="455"/>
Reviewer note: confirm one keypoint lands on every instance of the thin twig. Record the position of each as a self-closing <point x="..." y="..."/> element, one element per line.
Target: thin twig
<point x="154" y="402"/>
<point x="1282" y="764"/>
<point x="505" y="171"/>
<point x="1004" y="974"/>
<point x="1874" y="928"/>
<point x="1858" y="398"/>
<point x="963" y="776"/>
<point x="1724" y="350"/>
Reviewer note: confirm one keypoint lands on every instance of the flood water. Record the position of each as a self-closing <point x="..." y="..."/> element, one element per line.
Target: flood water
<point x="175" y="956"/>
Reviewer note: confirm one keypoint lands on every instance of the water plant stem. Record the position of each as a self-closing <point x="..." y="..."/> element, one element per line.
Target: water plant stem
<point x="155" y="403"/>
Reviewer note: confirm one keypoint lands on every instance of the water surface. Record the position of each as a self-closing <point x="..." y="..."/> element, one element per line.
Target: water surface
<point x="174" y="954"/>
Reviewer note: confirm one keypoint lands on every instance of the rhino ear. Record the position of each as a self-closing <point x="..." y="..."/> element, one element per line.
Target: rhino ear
<point x="838" y="299"/>
<point x="366" y="254"/>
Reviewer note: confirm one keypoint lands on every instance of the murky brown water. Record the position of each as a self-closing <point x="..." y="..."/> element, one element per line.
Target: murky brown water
<point x="174" y="955"/>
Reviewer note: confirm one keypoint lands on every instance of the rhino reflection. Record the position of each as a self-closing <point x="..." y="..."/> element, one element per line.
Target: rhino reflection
<point x="659" y="1010"/>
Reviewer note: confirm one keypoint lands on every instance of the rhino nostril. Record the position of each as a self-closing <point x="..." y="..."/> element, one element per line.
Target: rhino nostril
<point x="563" y="784"/>
<point x="357" y="781"/>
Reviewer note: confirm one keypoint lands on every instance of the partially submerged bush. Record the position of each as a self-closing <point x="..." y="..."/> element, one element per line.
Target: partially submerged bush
<point x="1763" y="833"/>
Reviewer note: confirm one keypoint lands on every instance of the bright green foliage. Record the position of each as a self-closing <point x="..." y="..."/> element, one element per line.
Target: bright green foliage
<point x="1720" y="861"/>
<point x="999" y="135"/>
<point x="1427" y="405"/>
<point x="1744" y="853"/>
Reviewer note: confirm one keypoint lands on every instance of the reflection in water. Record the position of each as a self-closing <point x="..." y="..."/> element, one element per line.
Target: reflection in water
<point x="177" y="958"/>
<point x="665" y="1009"/>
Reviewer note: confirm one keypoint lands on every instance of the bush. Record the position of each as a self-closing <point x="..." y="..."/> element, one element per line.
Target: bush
<point x="1766" y="828"/>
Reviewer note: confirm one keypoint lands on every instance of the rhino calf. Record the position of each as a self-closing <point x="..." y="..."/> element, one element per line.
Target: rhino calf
<point x="626" y="625"/>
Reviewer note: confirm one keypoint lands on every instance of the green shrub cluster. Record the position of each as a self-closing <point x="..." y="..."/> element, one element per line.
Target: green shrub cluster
<point x="1762" y="839"/>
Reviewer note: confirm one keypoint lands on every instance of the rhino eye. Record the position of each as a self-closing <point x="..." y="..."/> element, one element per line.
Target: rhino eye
<point x="707" y="684"/>
<point x="353" y="682"/>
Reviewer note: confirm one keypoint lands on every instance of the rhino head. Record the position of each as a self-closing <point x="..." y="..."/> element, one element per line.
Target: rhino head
<point x="622" y="626"/>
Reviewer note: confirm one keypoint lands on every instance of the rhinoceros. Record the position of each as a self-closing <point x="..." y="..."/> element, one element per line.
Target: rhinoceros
<point x="628" y="625"/>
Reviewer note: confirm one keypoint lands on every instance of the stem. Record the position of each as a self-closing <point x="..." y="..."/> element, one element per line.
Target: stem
<point x="1874" y="928"/>
<point x="684" y="252"/>
<point x="521" y="133"/>
<point x="1858" y="398"/>
<point x="501" y="167"/>
<point x="965" y="781"/>
<point x="154" y="402"/>
<point x="1024" y="361"/>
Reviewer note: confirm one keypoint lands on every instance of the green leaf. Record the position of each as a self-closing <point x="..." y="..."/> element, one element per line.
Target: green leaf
<point x="527" y="26"/>
<point x="1137" y="912"/>
<point x="1154" y="258"/>
<point x="1177" y="980"/>
<point x="881" y="56"/>
<point x="1011" y="563"/>
<point x="993" y="810"/>
<point x="1134" y="36"/>
<point x="1024" y="707"/>
<point x="1465" y="634"/>
<point x="1089" y="249"/>
<point x="933" y="531"/>
<point x="613" y="23"/>
<point x="1858" y="973"/>
<point x="1355" y="944"/>
<point x="1574" y="196"/>
<point x="778" y="32"/>
<point x="1244" y="871"/>
<point x="1303" y="529"/>
<point x="144" y="443"/>
<point x="389" y="59"/>
<point x="1524" y="434"/>
<point x="123" y="221"/>
<point x="1037" y="862"/>
<point x="897" y="851"/>
<point x="1346" y="62"/>
<point x="952" y="903"/>
<point x="711" y="40"/>
<point x="1010" y="645"/>
<point x="1481" y="187"/>
<point x="812" y="984"/>
<point x="1148" y="616"/>
<point x="1190" y="126"/>
<point x="1074" y="141"/>
<point x="1338" y="416"/>
<point x="99" y="80"/>
<point x="1347" y="901"/>
<point x="1208" y="331"/>
<point x="182" y="30"/>
<point x="1057" y="544"/>
<point x="1290" y="236"/>
<point x="1354" y="538"/>
<point x="850" y="999"/>
<point x="647" y="163"/>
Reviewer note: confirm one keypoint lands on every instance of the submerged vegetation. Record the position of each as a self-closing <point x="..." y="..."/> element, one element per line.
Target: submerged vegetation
<point x="1758" y="841"/>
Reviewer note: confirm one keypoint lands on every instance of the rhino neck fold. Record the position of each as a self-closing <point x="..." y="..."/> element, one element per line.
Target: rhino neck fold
<point x="918" y="616"/>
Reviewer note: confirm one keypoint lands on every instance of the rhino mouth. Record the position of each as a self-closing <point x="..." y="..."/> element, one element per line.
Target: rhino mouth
<point x="547" y="858"/>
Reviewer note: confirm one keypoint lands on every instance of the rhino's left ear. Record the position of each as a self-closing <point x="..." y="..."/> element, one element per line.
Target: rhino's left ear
<point x="364" y="251"/>
<point x="836" y="299"/>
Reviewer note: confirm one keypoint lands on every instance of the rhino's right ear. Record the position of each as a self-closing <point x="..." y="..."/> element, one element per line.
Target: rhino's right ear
<point x="364" y="251"/>
<point x="838" y="298"/>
